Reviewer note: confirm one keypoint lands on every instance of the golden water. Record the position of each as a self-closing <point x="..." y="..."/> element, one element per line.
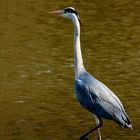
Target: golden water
<point x="36" y="74"/>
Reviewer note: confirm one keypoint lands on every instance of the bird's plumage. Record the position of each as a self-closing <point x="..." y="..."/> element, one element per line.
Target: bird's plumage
<point x="91" y="93"/>
<point x="99" y="99"/>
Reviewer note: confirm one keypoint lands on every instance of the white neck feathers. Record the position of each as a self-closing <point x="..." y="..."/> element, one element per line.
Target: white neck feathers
<point x="78" y="61"/>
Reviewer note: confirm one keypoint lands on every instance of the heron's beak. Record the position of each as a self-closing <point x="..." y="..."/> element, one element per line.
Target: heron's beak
<point x="59" y="13"/>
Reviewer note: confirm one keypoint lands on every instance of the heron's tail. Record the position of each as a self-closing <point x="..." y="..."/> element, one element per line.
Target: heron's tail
<point x="130" y="126"/>
<point x="123" y="120"/>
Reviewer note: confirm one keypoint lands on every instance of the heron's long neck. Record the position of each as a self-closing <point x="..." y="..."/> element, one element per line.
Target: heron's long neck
<point x="78" y="60"/>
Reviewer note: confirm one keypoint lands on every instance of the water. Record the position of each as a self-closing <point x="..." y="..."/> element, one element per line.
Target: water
<point x="36" y="74"/>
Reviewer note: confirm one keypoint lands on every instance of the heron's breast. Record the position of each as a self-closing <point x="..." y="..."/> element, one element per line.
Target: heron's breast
<point x="85" y="101"/>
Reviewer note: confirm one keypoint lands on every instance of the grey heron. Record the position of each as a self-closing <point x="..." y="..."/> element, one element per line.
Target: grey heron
<point x="92" y="94"/>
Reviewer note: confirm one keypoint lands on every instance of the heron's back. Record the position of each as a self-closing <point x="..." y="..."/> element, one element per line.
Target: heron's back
<point x="100" y="100"/>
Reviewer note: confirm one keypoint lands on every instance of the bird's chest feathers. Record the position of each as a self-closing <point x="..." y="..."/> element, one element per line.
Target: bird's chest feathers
<point x="85" y="100"/>
<point x="83" y="95"/>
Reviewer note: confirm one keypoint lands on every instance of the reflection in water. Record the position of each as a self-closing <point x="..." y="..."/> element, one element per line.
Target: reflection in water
<point x="36" y="57"/>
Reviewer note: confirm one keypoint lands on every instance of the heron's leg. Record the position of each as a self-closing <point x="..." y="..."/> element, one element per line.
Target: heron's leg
<point x="99" y="132"/>
<point x="97" y="123"/>
<point x="83" y="137"/>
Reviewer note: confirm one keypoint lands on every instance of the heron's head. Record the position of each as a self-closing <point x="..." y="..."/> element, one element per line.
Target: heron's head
<point x="68" y="12"/>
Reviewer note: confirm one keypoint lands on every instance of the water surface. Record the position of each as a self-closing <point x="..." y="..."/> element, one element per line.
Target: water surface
<point x="36" y="75"/>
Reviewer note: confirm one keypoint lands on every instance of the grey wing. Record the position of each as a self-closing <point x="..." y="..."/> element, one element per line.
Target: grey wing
<point x="83" y="95"/>
<point x="88" y="96"/>
<point x="101" y="101"/>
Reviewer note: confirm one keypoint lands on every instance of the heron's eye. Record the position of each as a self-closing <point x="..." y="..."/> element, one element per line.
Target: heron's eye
<point x="65" y="11"/>
<point x="70" y="11"/>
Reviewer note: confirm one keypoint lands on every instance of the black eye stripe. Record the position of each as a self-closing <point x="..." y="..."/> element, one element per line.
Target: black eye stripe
<point x="69" y="10"/>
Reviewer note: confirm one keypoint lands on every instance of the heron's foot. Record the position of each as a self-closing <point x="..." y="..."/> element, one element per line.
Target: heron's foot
<point x="99" y="138"/>
<point x="83" y="138"/>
